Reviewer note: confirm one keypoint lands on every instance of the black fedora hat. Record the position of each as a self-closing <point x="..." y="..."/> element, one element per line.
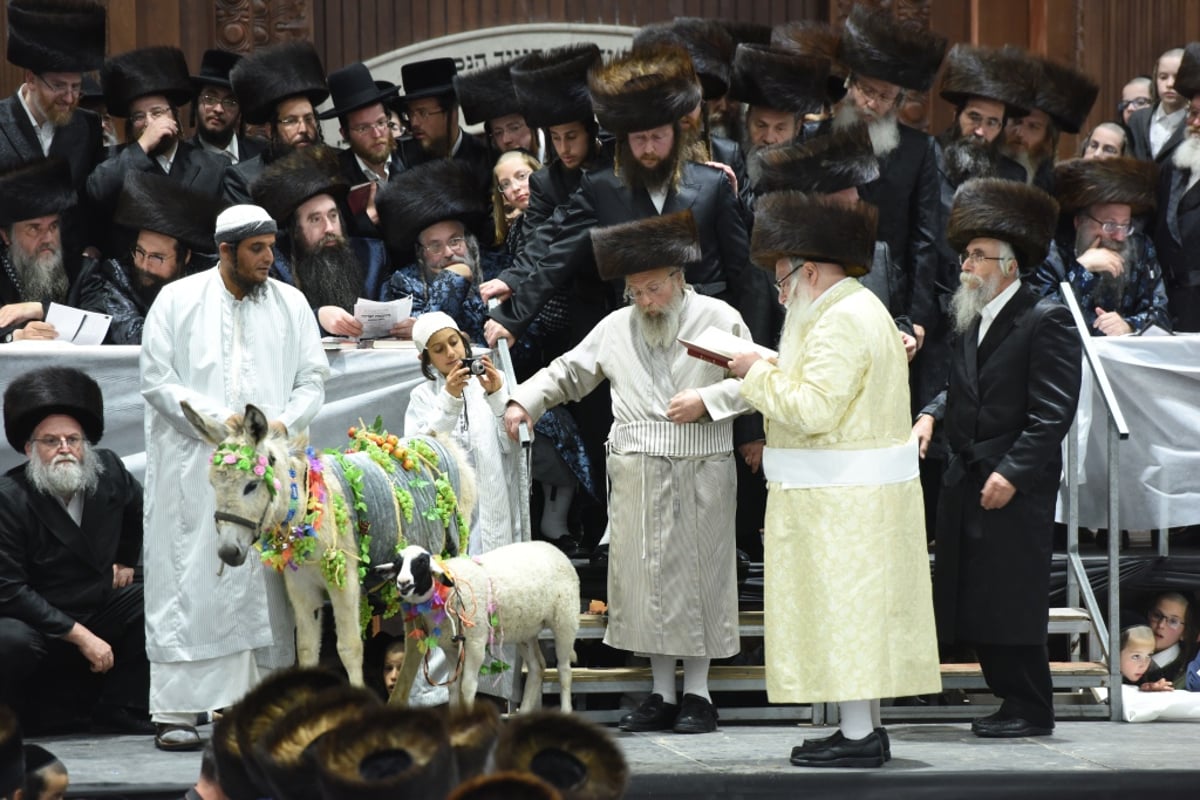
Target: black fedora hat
<point x="352" y="87"/>
<point x="215" y="66"/>
<point x="427" y="78"/>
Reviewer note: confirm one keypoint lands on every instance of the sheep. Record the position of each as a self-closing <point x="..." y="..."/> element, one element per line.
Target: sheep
<point x="530" y="586"/>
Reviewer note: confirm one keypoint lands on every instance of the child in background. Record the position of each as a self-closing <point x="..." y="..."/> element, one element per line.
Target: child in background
<point x="1137" y="662"/>
<point x="45" y="776"/>
<point x="1170" y="619"/>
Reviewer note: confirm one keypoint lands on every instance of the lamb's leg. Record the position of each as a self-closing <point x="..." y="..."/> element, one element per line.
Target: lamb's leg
<point x="535" y="664"/>
<point x="307" y="601"/>
<point x="349" y="635"/>
<point x="564" y="652"/>
<point x="468" y="681"/>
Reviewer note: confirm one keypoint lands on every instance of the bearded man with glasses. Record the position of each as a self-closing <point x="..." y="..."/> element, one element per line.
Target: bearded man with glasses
<point x="217" y="114"/>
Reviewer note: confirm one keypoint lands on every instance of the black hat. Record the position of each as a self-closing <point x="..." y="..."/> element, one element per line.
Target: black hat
<point x="1187" y="79"/>
<point x="215" y="66"/>
<point x="37" y="394"/>
<point x="643" y="89"/>
<point x="1080" y="183"/>
<point x="833" y="231"/>
<point x="746" y="32"/>
<point x="661" y="240"/>
<point x="486" y="94"/>
<point x="577" y="757"/>
<point x="825" y="164"/>
<point x="56" y="35"/>
<point x="265" y="77"/>
<point x="552" y="86"/>
<point x="91" y="91"/>
<point x="1005" y="75"/>
<point x="877" y="45"/>
<point x="145" y="71"/>
<point x="12" y="756"/>
<point x="1023" y="216"/>
<point x="707" y="42"/>
<point x="37" y="757"/>
<point x="36" y="189"/>
<point x="779" y="79"/>
<point x="159" y="203"/>
<point x="811" y="38"/>
<point x="429" y="193"/>
<point x="1066" y="95"/>
<point x="429" y="78"/>
<point x="290" y="181"/>
<point x="352" y="87"/>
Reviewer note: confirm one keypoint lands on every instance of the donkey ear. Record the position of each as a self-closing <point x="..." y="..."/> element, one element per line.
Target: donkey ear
<point x="256" y="423"/>
<point x="210" y="430"/>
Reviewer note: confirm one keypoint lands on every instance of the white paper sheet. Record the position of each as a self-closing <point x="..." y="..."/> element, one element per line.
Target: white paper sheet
<point x="377" y="317"/>
<point x="77" y="326"/>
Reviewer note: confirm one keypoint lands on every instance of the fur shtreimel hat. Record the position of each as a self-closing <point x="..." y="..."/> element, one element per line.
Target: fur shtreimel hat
<point x="877" y="45"/>
<point x="811" y="38"/>
<point x="145" y="71"/>
<point x="37" y="394"/>
<point x="706" y="41"/>
<point x="36" y="189"/>
<point x="798" y="225"/>
<point x="158" y="203"/>
<point x="824" y="164"/>
<point x="746" y="32"/>
<point x="505" y="786"/>
<point x="1187" y="79"/>
<point x="1065" y="94"/>
<point x="644" y="89"/>
<point x="56" y="35"/>
<point x="12" y="755"/>
<point x="302" y="174"/>
<point x="994" y="208"/>
<point x="473" y="735"/>
<point x="276" y="73"/>
<point x="389" y="753"/>
<point x="664" y="240"/>
<point x="552" y="86"/>
<point x="779" y="79"/>
<point x="487" y="93"/>
<point x="1006" y="75"/>
<point x="574" y="756"/>
<point x="429" y="193"/>
<point x="1080" y="183"/>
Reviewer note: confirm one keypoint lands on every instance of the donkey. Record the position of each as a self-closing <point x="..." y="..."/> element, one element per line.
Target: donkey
<point x="318" y="518"/>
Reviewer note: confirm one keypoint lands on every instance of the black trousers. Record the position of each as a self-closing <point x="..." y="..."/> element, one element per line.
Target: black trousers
<point x="1020" y="676"/>
<point x="46" y="677"/>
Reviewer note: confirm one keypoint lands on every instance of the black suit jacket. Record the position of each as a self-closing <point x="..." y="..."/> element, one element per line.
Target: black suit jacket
<point x="1009" y="403"/>
<point x="194" y="168"/>
<point x="1139" y="136"/>
<point x="360" y="224"/>
<point x="1177" y="239"/>
<point x="248" y="147"/>
<point x="53" y="572"/>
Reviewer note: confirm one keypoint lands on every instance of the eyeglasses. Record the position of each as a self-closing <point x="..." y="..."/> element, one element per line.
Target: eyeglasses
<point x="1112" y="228"/>
<point x="975" y="258"/>
<point x="154" y="259"/>
<point x="520" y="177"/>
<point x="437" y="248"/>
<point x="1192" y="113"/>
<point x="55" y="442"/>
<point x="1137" y="102"/>
<point x="229" y="102"/>
<point x="512" y="129"/>
<point x="779" y="284"/>
<point x="1156" y="616"/>
<point x="380" y="125"/>
<point x="421" y="114"/>
<point x="978" y="120"/>
<point x="651" y="289"/>
<point x="874" y="96"/>
<point x="59" y="88"/>
<point x="158" y="112"/>
<point x="308" y="121"/>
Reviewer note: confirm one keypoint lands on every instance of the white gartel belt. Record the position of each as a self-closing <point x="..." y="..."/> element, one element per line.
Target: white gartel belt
<point x="799" y="468"/>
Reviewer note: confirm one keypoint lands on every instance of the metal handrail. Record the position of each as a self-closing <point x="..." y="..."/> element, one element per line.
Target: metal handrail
<point x="1077" y="580"/>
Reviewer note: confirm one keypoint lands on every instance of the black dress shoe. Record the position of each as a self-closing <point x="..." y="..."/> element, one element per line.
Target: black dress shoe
<point x="570" y="546"/>
<point x="696" y="715"/>
<point x="652" y="715"/>
<point x="816" y="744"/>
<point x="115" y="719"/>
<point x="842" y="752"/>
<point x="1011" y="728"/>
<point x="599" y="557"/>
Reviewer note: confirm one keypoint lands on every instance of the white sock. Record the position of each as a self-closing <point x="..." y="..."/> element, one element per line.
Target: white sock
<point x="663" y="670"/>
<point x="173" y="718"/>
<point x="876" y="718"/>
<point x="695" y="677"/>
<point x="856" y="718"/>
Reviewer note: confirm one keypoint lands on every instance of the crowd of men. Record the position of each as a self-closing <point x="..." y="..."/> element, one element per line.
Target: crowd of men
<point x="752" y="179"/>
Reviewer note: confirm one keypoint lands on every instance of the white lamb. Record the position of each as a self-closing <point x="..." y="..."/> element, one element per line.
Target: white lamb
<point x="530" y="585"/>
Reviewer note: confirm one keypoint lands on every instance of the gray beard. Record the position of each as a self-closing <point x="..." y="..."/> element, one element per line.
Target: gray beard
<point x="1021" y="156"/>
<point x="967" y="158"/>
<point x="660" y="330"/>
<point x="1187" y="155"/>
<point x="471" y="259"/>
<point x="42" y="278"/>
<point x="968" y="301"/>
<point x="67" y="477"/>
<point x="329" y="276"/>
<point x="884" y="131"/>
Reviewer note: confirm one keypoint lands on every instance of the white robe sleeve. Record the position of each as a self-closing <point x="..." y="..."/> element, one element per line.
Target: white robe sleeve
<point x="432" y="408"/>
<point x="568" y="378"/>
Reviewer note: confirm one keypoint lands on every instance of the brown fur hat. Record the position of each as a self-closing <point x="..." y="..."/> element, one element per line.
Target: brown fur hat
<point x="798" y="225"/>
<point x="1006" y="75"/>
<point x="577" y="757"/>
<point x="1065" y="94"/>
<point x="485" y="94"/>
<point x="267" y="76"/>
<point x="706" y="41"/>
<point x="505" y="786"/>
<point x="56" y="35"/>
<point x="811" y="38"/>
<point x="389" y="753"/>
<point x="147" y="70"/>
<point x="664" y="240"/>
<point x="994" y="208"/>
<point x="36" y="189"/>
<point x="552" y="85"/>
<point x="643" y="89"/>
<point x="877" y="45"/>
<point x="779" y="79"/>
<point x="1187" y="79"/>
<point x="746" y="32"/>
<point x="438" y="190"/>
<point x="39" y="393"/>
<point x="473" y="735"/>
<point x="159" y="203"/>
<point x="825" y="164"/>
<point x="302" y="174"/>
<point x="1079" y="183"/>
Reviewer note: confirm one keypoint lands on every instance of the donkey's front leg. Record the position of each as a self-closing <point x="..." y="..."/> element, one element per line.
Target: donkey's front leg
<point x="345" y="602"/>
<point x="307" y="601"/>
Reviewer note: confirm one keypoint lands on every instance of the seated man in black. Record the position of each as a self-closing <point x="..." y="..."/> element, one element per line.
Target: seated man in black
<point x="70" y="534"/>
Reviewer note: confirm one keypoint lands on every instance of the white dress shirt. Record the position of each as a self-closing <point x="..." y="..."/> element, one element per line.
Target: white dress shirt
<point x="992" y="309"/>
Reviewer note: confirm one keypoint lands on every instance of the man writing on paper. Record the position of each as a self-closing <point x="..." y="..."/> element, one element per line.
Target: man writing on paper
<point x="844" y="499"/>
<point x="672" y="578"/>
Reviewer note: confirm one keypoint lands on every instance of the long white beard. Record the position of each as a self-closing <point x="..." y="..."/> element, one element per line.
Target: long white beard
<point x="1187" y="155"/>
<point x="65" y="474"/>
<point x="972" y="295"/>
<point x="660" y="330"/>
<point x="884" y="131"/>
<point x="799" y="309"/>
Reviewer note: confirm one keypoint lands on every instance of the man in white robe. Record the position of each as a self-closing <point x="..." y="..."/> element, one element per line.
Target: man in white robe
<point x="219" y="340"/>
<point x="672" y="582"/>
